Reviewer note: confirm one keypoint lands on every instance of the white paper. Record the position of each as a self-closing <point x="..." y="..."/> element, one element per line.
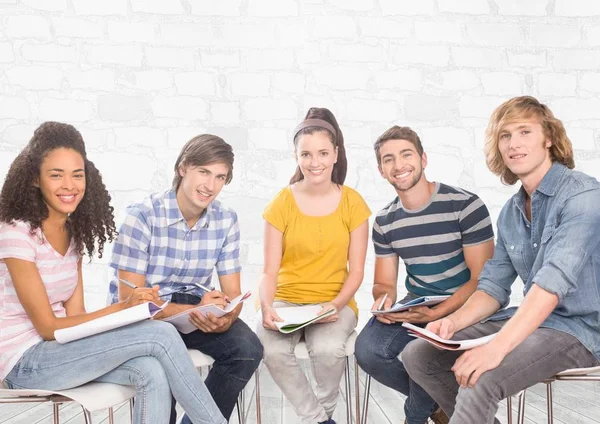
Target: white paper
<point x="182" y="322"/>
<point x="299" y="317"/>
<point x="421" y="301"/>
<point x="446" y="344"/>
<point x="109" y="322"/>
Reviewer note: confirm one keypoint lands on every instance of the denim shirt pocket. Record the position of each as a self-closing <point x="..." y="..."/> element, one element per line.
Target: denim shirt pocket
<point x="549" y="230"/>
<point x="517" y="257"/>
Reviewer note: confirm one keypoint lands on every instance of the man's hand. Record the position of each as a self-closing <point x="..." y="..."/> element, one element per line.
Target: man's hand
<point x="415" y="315"/>
<point x="324" y="308"/>
<point x="445" y="327"/>
<point x="215" y="297"/>
<point x="211" y="323"/>
<point x="469" y="367"/>
<point x="386" y="305"/>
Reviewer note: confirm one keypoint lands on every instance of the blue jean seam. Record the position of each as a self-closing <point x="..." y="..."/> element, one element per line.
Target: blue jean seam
<point x="143" y="390"/>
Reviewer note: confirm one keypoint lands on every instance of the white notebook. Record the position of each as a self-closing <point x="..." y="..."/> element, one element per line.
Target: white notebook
<point x="109" y="322"/>
<point x="446" y="344"/>
<point x="296" y="317"/>
<point x="181" y="321"/>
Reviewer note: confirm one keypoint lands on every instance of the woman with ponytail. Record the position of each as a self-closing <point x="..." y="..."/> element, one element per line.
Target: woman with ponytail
<point x="316" y="233"/>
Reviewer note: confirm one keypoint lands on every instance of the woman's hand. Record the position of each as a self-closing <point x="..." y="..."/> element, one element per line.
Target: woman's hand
<point x="142" y="295"/>
<point x="326" y="307"/>
<point x="270" y="317"/>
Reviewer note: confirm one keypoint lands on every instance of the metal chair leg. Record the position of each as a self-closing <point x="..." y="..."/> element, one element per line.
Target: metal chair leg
<point x="131" y="405"/>
<point x="366" y="398"/>
<point x="549" y="401"/>
<point x="240" y="412"/>
<point x="111" y="416"/>
<point x="87" y="416"/>
<point x="521" y="416"/>
<point x="56" y="413"/>
<point x="357" y="391"/>
<point x="257" y="383"/>
<point x="348" y="392"/>
<point x="509" y="409"/>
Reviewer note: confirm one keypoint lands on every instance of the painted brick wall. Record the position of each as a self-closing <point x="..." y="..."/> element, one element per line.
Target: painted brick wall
<point x="140" y="77"/>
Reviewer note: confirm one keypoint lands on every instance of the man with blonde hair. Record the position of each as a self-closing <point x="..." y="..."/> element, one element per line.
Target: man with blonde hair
<point x="548" y="236"/>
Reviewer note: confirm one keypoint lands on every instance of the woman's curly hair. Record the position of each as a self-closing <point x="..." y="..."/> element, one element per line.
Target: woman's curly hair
<point x="20" y="200"/>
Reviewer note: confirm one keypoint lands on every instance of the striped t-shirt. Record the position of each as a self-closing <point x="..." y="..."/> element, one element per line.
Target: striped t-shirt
<point x="430" y="239"/>
<point x="58" y="273"/>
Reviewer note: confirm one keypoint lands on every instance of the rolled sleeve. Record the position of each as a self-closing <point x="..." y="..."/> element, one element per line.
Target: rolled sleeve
<point x="567" y="246"/>
<point x="498" y="274"/>
<point x="229" y="257"/>
<point x="131" y="249"/>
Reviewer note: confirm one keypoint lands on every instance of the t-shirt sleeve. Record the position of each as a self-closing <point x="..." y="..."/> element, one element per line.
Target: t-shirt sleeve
<point x="359" y="210"/>
<point x="229" y="257"/>
<point x="475" y="223"/>
<point x="382" y="246"/>
<point x="16" y="242"/>
<point x="131" y="249"/>
<point x="276" y="211"/>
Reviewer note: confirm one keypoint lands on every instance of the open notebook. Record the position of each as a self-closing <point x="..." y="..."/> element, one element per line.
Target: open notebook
<point x="181" y="321"/>
<point x="437" y="341"/>
<point x="296" y="317"/>
<point x="420" y="301"/>
<point x="109" y="322"/>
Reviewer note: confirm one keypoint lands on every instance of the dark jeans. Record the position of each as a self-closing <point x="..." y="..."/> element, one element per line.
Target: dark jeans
<point x="237" y="353"/>
<point x="377" y="349"/>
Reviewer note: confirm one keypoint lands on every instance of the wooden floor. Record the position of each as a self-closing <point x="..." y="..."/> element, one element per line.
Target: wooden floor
<point x="574" y="403"/>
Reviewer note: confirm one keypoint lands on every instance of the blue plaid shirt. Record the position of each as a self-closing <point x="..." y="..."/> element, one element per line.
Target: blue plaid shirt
<point x="156" y="241"/>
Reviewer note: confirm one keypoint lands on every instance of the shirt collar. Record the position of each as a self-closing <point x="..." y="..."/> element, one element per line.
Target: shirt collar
<point x="547" y="186"/>
<point x="549" y="183"/>
<point x="174" y="215"/>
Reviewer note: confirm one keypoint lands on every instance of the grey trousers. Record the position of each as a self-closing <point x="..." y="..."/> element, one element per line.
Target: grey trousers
<point x="543" y="354"/>
<point x="326" y="345"/>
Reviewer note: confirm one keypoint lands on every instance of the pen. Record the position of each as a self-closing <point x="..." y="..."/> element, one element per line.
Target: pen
<point x="208" y="290"/>
<point x="372" y="320"/>
<point x="128" y="283"/>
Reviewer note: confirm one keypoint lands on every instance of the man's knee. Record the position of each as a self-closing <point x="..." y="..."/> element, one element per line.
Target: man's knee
<point x="414" y="357"/>
<point x="370" y="352"/>
<point x="245" y="346"/>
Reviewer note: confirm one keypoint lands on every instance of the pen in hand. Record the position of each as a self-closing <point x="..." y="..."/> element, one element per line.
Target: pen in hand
<point x="208" y="289"/>
<point x="379" y="308"/>
<point x="128" y="283"/>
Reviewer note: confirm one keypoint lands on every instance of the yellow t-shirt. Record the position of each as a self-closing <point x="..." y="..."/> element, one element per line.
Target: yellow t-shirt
<point x="314" y="264"/>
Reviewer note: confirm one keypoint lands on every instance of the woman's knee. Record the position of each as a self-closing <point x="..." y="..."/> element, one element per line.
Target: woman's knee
<point x="147" y="371"/>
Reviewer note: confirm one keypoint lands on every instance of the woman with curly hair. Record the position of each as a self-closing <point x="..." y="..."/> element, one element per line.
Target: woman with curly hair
<point x="54" y="208"/>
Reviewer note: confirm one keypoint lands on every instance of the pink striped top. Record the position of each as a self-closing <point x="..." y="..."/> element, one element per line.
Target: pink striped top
<point x="58" y="273"/>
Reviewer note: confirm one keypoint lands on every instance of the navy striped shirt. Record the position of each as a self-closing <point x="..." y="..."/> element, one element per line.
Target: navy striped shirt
<point x="430" y="239"/>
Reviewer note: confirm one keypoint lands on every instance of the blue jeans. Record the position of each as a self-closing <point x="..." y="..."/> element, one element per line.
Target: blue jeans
<point x="377" y="349"/>
<point x="148" y="355"/>
<point x="237" y="354"/>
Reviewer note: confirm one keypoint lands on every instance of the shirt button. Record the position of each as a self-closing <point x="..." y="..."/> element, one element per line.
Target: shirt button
<point x="512" y="247"/>
<point x="534" y="244"/>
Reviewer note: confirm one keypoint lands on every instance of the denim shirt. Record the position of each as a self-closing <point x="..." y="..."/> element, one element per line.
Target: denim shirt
<point x="557" y="250"/>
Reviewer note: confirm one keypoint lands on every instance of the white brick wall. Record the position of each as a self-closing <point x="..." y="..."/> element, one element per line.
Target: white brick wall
<point x="139" y="78"/>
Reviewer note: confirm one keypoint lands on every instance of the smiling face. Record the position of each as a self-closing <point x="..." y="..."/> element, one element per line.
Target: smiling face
<point x="401" y="165"/>
<point x="525" y="149"/>
<point x="199" y="186"/>
<point x="316" y="156"/>
<point x="62" y="181"/>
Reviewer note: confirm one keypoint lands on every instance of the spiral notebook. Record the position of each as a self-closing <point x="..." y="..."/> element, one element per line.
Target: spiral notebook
<point x="109" y="322"/>
<point x="446" y="344"/>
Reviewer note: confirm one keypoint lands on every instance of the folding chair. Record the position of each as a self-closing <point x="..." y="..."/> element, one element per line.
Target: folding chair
<point x="574" y="374"/>
<point x="91" y="396"/>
